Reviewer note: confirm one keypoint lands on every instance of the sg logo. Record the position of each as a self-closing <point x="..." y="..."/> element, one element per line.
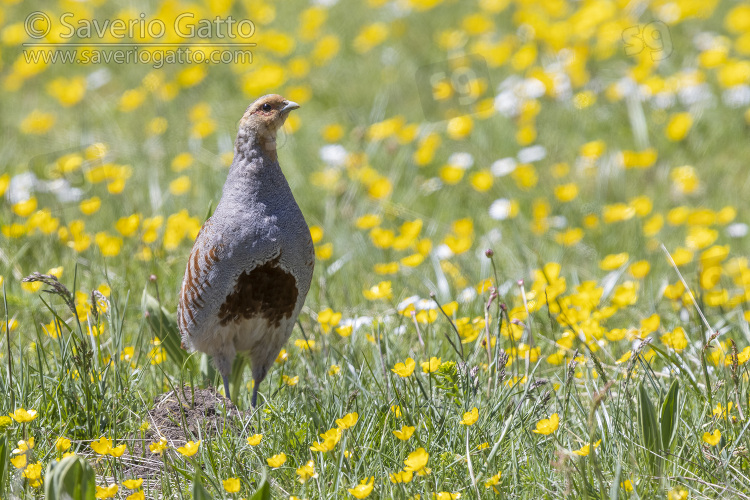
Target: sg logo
<point x="453" y="87"/>
<point x="653" y="37"/>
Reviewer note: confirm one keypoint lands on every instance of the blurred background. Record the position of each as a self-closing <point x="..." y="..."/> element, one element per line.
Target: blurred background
<point x="558" y="130"/>
<point x="596" y="147"/>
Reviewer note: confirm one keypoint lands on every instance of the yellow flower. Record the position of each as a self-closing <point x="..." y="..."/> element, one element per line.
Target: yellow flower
<point x="107" y="491"/>
<point x="345" y="331"/>
<point x="430" y="366"/>
<point x="369" y="37"/>
<point x="180" y="185"/>
<point x="627" y="485"/>
<point x="403" y="476"/>
<point x="306" y="472"/>
<point x="624" y="357"/>
<point x="305" y="344"/>
<point x="62" y="444"/>
<point x="19" y="462"/>
<point x="25" y="208"/>
<point x="37" y="122"/>
<point x="231" y="485"/>
<point x="23" y="416"/>
<point x="5" y="422"/>
<point x="133" y="484"/>
<point x="445" y="495"/>
<point x="103" y="446"/>
<point x="593" y="150"/>
<point x="396" y="409"/>
<point x="159" y="446"/>
<point x="678" y="127"/>
<point x="405" y="432"/>
<point x="640" y="269"/>
<point x="584" y="450"/>
<point x="566" y="192"/>
<point x="470" y="417"/>
<point x="347" y="420"/>
<point x="33" y="473"/>
<point x="332" y="132"/>
<point x="677" y="494"/>
<point x="328" y="319"/>
<point x="493" y="481"/>
<point x="613" y="261"/>
<point x="329" y="440"/>
<point x="24" y="446"/>
<point x="417" y="460"/>
<point x="380" y="188"/>
<point x="255" y="439"/>
<point x="368" y="221"/>
<point x="182" y="161"/>
<point x="459" y="127"/>
<point x="712" y="438"/>
<point x="380" y="291"/>
<point x="117" y="451"/>
<point x="363" y="489"/>
<point x="685" y="179"/>
<point x="190" y="448"/>
<point x="548" y="425"/>
<point x="482" y="180"/>
<point x="276" y="460"/>
<point x="138" y="495"/>
<point x="404" y="369"/>
<point x="334" y="370"/>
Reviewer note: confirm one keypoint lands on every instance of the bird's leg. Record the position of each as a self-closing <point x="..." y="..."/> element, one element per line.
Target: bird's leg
<point x="259" y="373"/>
<point x="255" y="394"/>
<point x="223" y="362"/>
<point x="225" y="378"/>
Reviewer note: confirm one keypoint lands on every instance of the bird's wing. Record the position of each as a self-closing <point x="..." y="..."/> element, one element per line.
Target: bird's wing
<point x="206" y="254"/>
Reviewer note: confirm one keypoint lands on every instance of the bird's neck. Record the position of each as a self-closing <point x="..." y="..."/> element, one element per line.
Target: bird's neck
<point x="252" y="143"/>
<point x="255" y="175"/>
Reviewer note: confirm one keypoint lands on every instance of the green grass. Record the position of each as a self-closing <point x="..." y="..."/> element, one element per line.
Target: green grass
<point x="566" y="358"/>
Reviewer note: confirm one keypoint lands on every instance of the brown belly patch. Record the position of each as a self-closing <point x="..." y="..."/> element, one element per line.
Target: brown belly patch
<point x="266" y="291"/>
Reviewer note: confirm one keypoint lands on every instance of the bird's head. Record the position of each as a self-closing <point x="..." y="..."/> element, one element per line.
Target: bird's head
<point x="267" y="114"/>
<point x="261" y="121"/>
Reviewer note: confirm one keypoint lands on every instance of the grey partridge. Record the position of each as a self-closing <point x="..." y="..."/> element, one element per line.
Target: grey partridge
<point x="252" y="263"/>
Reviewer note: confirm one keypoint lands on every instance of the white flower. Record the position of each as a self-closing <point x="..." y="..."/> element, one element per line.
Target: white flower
<point x="443" y="252"/>
<point x="737" y="230"/>
<point x="333" y="155"/>
<point x="532" y="153"/>
<point x="500" y="209"/>
<point x="407" y="302"/>
<point x="503" y="167"/>
<point x="461" y="160"/>
<point x="467" y="295"/>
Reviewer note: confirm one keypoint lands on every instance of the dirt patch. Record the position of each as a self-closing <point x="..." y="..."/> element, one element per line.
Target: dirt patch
<point x="179" y="416"/>
<point x="187" y="413"/>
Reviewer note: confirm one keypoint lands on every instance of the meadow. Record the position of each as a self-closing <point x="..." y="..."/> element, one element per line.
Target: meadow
<point x="531" y="229"/>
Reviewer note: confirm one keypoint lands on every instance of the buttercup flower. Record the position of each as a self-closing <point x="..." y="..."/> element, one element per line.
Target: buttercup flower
<point x="276" y="460"/>
<point x="404" y="369"/>
<point x="547" y="425"/>
<point x="190" y="448"/>
<point x="363" y="489"/>
<point x="231" y="485"/>
<point x="470" y="417"/>
<point x="405" y="432"/>
<point x="23" y="416"/>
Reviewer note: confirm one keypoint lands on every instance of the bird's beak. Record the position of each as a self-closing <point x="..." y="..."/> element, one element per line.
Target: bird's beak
<point x="289" y="106"/>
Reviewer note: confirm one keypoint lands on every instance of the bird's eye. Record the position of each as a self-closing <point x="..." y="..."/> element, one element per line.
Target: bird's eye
<point x="266" y="107"/>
